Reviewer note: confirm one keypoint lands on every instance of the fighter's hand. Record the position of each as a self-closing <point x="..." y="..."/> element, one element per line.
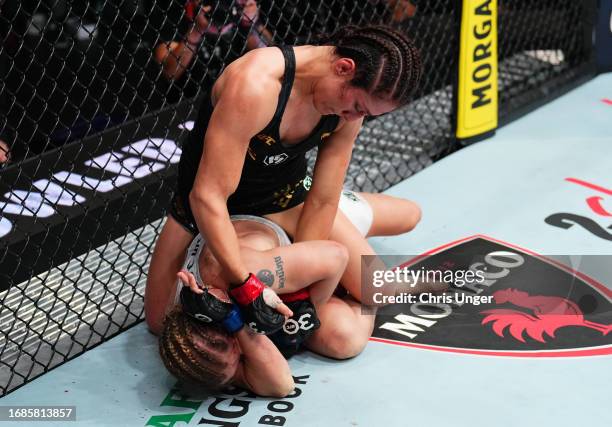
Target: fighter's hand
<point x="262" y="310"/>
<point x="189" y="280"/>
<point x="199" y="26"/>
<point x="274" y="301"/>
<point x="250" y="13"/>
<point x="201" y="21"/>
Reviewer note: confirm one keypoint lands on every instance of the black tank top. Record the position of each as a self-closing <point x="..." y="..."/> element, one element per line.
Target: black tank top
<point x="274" y="175"/>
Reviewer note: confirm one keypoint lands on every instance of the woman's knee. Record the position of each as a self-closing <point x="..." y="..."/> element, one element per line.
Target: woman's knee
<point x="343" y="341"/>
<point x="336" y="255"/>
<point x="327" y="258"/>
<point x="412" y="214"/>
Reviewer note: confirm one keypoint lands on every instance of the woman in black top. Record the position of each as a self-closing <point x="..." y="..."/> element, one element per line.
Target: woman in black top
<point x="246" y="155"/>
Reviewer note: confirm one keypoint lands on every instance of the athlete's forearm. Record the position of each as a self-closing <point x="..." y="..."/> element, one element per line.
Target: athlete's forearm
<point x="316" y="221"/>
<point x="181" y="55"/>
<point x="213" y="221"/>
<point x="265" y="370"/>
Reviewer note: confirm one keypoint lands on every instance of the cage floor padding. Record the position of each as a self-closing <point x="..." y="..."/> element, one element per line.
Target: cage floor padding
<point x="536" y="202"/>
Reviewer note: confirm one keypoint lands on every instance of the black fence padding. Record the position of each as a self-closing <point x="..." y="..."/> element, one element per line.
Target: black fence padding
<point x="94" y="128"/>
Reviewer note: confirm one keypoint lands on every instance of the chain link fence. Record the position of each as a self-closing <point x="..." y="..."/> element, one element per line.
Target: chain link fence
<point x="544" y="47"/>
<point x="92" y="117"/>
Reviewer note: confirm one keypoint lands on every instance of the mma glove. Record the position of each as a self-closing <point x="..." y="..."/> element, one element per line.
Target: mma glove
<point x="258" y="306"/>
<point x="209" y="309"/>
<point x="298" y="327"/>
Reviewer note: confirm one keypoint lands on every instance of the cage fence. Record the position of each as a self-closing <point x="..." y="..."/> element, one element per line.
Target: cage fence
<point x="93" y="113"/>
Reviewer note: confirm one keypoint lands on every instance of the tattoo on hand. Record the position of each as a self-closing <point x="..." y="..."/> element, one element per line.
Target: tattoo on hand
<point x="280" y="272"/>
<point x="266" y="277"/>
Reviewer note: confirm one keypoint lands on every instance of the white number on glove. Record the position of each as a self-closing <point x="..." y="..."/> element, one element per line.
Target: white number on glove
<point x="253" y="327"/>
<point x="203" y="317"/>
<point x="292" y="326"/>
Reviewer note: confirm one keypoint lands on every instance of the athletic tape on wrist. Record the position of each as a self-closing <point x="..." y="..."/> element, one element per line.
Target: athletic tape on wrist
<point x="248" y="292"/>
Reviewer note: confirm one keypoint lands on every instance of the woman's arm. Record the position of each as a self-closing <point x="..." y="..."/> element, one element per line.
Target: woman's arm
<point x="321" y="204"/>
<point x="242" y="109"/>
<point x="263" y="369"/>
<point x="176" y="56"/>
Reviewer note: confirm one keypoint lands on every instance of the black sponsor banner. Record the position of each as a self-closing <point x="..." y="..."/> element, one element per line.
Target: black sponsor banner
<point x="525" y="305"/>
<point x="63" y="203"/>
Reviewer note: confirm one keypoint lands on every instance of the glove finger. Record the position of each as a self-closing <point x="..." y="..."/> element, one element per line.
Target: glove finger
<point x="284" y="310"/>
<point x="183" y="277"/>
<point x="194" y="285"/>
<point x="189" y="280"/>
<point x="274" y="301"/>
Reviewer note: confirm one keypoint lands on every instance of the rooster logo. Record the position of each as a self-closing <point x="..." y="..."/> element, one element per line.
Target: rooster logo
<point x="549" y="313"/>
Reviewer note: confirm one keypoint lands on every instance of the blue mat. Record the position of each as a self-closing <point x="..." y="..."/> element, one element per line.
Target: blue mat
<point x="542" y="189"/>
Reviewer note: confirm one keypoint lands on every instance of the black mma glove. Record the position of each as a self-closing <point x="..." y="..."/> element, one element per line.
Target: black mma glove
<point x="258" y="306"/>
<point x="298" y="327"/>
<point x="210" y="309"/>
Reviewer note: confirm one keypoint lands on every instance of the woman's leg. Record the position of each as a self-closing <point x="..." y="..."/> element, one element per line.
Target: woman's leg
<point x="344" y="330"/>
<point x="286" y="269"/>
<point x="345" y="233"/>
<point x="167" y="260"/>
<point x="391" y="215"/>
<point x="318" y="265"/>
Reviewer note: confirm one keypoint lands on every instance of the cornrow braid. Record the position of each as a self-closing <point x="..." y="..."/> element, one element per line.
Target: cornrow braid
<point x="196" y="353"/>
<point x="388" y="64"/>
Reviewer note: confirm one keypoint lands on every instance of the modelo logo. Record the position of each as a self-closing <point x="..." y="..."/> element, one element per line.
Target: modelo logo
<point x="134" y="161"/>
<point x="539" y="307"/>
<point x="567" y="220"/>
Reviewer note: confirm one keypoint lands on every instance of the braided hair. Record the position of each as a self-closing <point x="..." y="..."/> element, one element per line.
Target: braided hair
<point x="196" y="353"/>
<point x="388" y="64"/>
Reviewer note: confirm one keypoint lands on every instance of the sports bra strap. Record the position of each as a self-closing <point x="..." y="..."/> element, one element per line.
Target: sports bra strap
<point x="288" y="78"/>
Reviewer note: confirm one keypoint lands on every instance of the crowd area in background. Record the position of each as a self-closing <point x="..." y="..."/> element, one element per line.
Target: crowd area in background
<point x="71" y="70"/>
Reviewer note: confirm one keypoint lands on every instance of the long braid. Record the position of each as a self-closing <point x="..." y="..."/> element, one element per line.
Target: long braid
<point x="388" y="64"/>
<point x="171" y="355"/>
<point x="411" y="69"/>
<point x="198" y="361"/>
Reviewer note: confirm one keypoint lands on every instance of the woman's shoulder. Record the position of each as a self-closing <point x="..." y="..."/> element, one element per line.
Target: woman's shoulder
<point x="259" y="71"/>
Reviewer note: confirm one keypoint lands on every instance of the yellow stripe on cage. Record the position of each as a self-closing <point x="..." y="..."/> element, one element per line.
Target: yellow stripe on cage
<point x="477" y="101"/>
